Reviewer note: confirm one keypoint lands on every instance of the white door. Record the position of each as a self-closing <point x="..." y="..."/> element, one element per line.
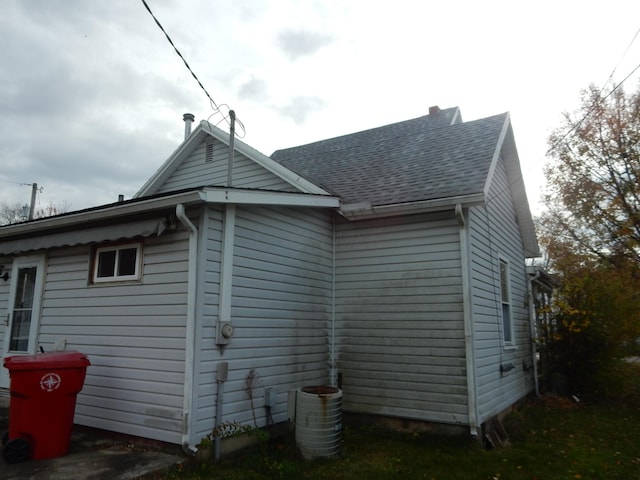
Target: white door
<point x="23" y="313"/>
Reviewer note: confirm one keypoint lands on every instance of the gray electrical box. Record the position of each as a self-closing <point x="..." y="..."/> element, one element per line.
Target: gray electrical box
<point x="270" y="397"/>
<point x="222" y="371"/>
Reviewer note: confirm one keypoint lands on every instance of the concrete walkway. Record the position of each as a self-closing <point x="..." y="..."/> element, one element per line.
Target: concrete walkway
<point x="94" y="454"/>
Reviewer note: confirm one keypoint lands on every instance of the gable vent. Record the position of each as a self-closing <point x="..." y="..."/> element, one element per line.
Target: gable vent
<point x="208" y="153"/>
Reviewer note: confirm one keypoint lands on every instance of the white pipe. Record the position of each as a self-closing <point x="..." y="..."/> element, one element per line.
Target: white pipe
<point x="532" y="327"/>
<point x="469" y="340"/>
<point x="190" y="333"/>
<point x="188" y="120"/>
<point x="32" y="207"/>
<point x="219" y="404"/>
<point x="232" y="141"/>
<point x="221" y="377"/>
<point x="226" y="274"/>
<point x="333" y="378"/>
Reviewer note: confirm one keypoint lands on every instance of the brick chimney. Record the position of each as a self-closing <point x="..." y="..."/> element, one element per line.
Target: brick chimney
<point x="435" y="110"/>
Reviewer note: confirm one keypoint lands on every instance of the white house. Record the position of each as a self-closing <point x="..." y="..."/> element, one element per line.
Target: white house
<point x="390" y="260"/>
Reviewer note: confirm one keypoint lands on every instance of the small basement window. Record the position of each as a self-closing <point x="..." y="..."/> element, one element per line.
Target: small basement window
<point x="117" y="263"/>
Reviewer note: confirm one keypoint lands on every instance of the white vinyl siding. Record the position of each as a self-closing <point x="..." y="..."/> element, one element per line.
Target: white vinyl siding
<point x="494" y="237"/>
<point x="399" y="318"/>
<point x="196" y="171"/>
<point x="207" y="353"/>
<point x="4" y="306"/>
<point x="132" y="333"/>
<point x="281" y="305"/>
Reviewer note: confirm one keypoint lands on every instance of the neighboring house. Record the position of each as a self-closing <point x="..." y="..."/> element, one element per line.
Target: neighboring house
<point x="391" y="259"/>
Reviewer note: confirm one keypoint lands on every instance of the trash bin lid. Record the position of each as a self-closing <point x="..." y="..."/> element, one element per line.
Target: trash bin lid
<point x="67" y="359"/>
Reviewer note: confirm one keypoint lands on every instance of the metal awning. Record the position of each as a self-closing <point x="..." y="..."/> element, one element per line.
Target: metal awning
<point x="144" y="228"/>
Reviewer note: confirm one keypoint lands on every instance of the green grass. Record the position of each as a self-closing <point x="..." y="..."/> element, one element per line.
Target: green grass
<point x="550" y="438"/>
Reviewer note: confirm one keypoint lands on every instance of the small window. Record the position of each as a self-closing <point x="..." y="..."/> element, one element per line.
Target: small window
<point x="117" y="263"/>
<point x="505" y="301"/>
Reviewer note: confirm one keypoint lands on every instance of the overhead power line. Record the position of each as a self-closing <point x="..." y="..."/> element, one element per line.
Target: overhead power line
<point x="577" y="124"/>
<point x="178" y="52"/>
<point x="214" y="105"/>
<point x="622" y="57"/>
<point x="588" y="112"/>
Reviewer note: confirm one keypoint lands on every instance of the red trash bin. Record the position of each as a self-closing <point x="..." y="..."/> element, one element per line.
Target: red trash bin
<point x="43" y="394"/>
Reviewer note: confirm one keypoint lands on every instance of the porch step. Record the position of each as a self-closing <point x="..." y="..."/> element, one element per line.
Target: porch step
<point x="495" y="434"/>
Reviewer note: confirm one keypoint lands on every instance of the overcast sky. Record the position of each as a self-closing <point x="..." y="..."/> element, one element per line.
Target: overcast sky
<point x="92" y="94"/>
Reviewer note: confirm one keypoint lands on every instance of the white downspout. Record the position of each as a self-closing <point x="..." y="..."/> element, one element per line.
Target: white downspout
<point x="190" y="333"/>
<point x="532" y="327"/>
<point x="333" y="374"/>
<point x="469" y="341"/>
<point x="224" y="329"/>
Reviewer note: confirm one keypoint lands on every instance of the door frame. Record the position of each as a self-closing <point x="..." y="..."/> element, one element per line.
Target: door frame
<point x="37" y="261"/>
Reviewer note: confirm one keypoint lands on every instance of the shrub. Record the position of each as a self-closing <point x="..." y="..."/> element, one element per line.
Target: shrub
<point x="594" y="325"/>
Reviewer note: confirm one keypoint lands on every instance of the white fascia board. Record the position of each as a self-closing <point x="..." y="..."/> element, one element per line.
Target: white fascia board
<point x="171" y="163"/>
<point x="496" y="154"/>
<point x="364" y="210"/>
<point x="261" y="197"/>
<point x="265" y="162"/>
<point x="115" y="210"/>
<point x="506" y="147"/>
<point x="456" y="117"/>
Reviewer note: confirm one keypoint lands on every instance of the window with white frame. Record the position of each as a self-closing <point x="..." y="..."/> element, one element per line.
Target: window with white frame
<point x="505" y="301"/>
<point x="116" y="263"/>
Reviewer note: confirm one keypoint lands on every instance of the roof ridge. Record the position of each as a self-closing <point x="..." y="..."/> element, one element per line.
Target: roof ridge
<point x="361" y="133"/>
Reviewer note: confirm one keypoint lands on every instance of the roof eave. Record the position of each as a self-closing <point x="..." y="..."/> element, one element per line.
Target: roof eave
<point x="100" y="214"/>
<point x="364" y="210"/>
<point x="270" y="198"/>
<point x="136" y="207"/>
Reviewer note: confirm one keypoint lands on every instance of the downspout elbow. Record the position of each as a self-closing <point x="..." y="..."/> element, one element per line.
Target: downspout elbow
<point x="182" y="216"/>
<point x="460" y="215"/>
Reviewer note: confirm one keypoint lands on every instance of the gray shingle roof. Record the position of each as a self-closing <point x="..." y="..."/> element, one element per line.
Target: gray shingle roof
<point x="422" y="159"/>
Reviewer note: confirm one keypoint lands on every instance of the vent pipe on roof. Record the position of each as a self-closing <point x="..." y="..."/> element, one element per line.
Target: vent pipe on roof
<point x="232" y="140"/>
<point x="188" y="120"/>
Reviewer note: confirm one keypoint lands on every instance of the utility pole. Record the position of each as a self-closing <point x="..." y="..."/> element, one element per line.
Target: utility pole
<point x="32" y="207"/>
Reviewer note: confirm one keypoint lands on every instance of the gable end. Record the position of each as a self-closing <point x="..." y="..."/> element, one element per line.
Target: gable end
<point x="209" y="134"/>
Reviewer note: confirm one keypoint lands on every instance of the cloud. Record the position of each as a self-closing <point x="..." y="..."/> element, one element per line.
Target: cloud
<point x="84" y="107"/>
<point x="92" y="94"/>
<point x="299" y="108"/>
<point x="300" y="43"/>
<point x="253" y="89"/>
